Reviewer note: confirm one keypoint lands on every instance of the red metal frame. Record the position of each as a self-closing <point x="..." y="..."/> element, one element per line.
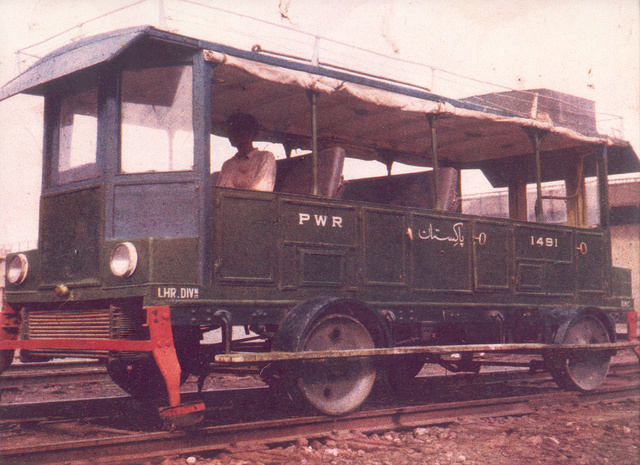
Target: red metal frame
<point x="160" y="344"/>
<point x="9" y="327"/>
<point x="632" y="330"/>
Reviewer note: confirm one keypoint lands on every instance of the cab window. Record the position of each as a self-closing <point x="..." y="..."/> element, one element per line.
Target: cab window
<point x="156" y="123"/>
<point x="78" y="133"/>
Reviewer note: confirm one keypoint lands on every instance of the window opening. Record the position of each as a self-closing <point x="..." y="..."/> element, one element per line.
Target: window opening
<point x="480" y="198"/>
<point x="555" y="209"/>
<point x="222" y="150"/>
<point x="156" y="112"/>
<point x="78" y="137"/>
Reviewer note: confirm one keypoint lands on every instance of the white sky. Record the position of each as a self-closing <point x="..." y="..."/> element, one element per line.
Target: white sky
<point x="588" y="48"/>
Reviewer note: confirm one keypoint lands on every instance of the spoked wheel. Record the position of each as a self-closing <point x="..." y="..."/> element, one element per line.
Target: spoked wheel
<point x="336" y="386"/>
<point x="582" y="370"/>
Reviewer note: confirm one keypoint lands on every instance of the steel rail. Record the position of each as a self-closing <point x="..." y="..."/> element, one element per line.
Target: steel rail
<point x="78" y="372"/>
<point x="149" y="446"/>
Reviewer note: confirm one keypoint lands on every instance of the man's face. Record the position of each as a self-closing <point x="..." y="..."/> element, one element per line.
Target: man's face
<point x="238" y="135"/>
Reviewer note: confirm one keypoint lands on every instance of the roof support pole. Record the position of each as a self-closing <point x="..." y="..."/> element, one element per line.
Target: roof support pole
<point x="536" y="136"/>
<point x="603" y="187"/>
<point x="602" y="167"/>
<point x="313" y="98"/>
<point x="434" y="156"/>
<point x="202" y="97"/>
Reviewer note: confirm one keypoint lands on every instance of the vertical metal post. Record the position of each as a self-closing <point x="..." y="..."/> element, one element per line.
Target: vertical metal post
<point x="201" y="104"/>
<point x="434" y="154"/>
<point x="605" y="215"/>
<point x="603" y="188"/>
<point x="313" y="97"/>
<point x="539" y="208"/>
<point x="535" y="136"/>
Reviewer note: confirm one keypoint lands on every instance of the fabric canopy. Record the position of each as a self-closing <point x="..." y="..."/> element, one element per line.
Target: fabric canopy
<point x="373" y="123"/>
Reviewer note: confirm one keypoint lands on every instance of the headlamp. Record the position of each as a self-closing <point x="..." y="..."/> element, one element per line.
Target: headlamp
<point x="124" y="259"/>
<point x="17" y="269"/>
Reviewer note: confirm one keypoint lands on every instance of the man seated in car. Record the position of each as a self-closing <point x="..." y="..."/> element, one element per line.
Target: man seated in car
<point x="249" y="168"/>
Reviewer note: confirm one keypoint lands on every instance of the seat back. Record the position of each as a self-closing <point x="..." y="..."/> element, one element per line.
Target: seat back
<point x="407" y="190"/>
<point x="294" y="175"/>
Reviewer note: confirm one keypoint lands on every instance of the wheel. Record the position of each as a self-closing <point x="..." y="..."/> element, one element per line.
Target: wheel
<point x="138" y="376"/>
<point x="337" y="386"/>
<point x="334" y="386"/>
<point x="583" y="371"/>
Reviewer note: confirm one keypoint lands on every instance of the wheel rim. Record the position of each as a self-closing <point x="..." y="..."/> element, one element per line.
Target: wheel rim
<point x="587" y="370"/>
<point x="337" y="386"/>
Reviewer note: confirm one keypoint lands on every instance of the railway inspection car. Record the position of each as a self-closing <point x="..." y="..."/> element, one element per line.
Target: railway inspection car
<point x="339" y="283"/>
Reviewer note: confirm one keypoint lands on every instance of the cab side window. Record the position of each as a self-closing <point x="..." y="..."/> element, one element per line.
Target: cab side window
<point x="78" y="134"/>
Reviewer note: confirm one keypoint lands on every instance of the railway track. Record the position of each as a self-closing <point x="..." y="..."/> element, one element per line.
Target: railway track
<point x="100" y="439"/>
<point x="58" y="372"/>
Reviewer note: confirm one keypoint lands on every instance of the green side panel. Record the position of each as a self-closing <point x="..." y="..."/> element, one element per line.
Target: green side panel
<point x="321" y="266"/>
<point x="530" y="277"/>
<point x="492" y="248"/>
<point x="384" y="247"/>
<point x="590" y="261"/>
<point x="160" y="260"/>
<point x="70" y="235"/>
<point x="441" y="254"/>
<point x="246" y="232"/>
<point x="559" y="278"/>
<point x="544" y="260"/>
<point x="318" y="244"/>
<point x="621" y="282"/>
<point x="313" y="222"/>
<point x="543" y="243"/>
<point x="174" y="260"/>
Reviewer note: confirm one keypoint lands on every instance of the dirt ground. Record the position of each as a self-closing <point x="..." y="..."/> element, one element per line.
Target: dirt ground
<point x="602" y="433"/>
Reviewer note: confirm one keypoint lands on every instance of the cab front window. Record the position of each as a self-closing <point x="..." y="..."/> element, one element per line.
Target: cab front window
<point x="156" y="132"/>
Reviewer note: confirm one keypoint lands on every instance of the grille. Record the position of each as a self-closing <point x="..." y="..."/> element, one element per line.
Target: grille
<point x="110" y="323"/>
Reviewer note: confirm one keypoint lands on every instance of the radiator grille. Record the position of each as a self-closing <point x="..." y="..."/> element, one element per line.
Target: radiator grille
<point x="110" y="323"/>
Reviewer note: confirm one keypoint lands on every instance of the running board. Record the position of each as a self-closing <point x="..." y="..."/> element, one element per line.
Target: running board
<point x="265" y="357"/>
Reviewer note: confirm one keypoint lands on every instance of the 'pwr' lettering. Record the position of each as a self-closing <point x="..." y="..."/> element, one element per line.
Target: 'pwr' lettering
<point x="320" y="220"/>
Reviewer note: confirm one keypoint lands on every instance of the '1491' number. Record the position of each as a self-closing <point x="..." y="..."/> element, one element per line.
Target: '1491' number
<point x="544" y="241"/>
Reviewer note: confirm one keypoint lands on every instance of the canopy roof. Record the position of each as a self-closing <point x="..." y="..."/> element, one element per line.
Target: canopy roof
<point x="371" y="118"/>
